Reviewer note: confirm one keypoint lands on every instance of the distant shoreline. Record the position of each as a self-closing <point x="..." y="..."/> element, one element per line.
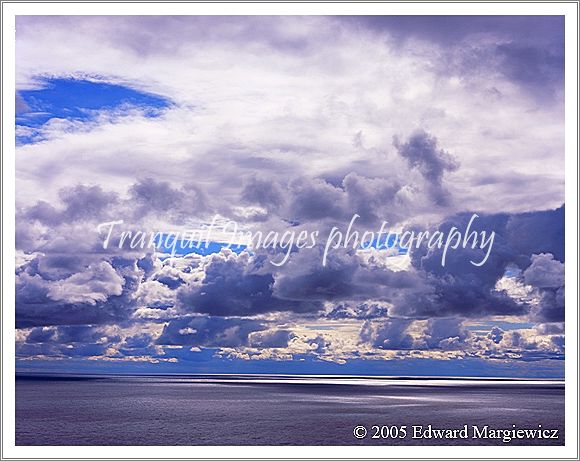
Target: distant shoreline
<point x="290" y="379"/>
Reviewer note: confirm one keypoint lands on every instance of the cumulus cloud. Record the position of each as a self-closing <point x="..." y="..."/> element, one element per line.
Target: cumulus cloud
<point x="97" y="283"/>
<point x="459" y="287"/>
<point x="391" y="334"/>
<point x="495" y="334"/>
<point x="209" y="332"/>
<point x="236" y="285"/>
<point x="100" y="293"/>
<point x="544" y="272"/>
<point x="271" y="338"/>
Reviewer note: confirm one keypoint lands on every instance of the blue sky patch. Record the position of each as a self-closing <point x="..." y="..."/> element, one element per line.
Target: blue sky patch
<point x="166" y="243"/>
<point x="77" y="100"/>
<point x="386" y="242"/>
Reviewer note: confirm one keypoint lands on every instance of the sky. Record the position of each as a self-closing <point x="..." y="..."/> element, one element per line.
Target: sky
<point x="289" y="124"/>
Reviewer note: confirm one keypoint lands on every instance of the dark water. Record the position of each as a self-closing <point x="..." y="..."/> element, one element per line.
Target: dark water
<point x="275" y="411"/>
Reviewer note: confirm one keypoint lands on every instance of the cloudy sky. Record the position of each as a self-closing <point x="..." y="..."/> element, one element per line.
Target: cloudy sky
<point x="290" y="123"/>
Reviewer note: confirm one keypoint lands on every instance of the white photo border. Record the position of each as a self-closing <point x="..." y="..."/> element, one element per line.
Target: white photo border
<point x="11" y="9"/>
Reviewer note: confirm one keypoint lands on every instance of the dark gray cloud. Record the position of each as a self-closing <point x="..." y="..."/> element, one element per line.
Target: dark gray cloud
<point x="328" y="200"/>
<point x="396" y="334"/>
<point x="537" y="232"/>
<point x="271" y="338"/>
<point x="150" y="196"/>
<point x="457" y="296"/>
<point x="344" y="277"/>
<point x="391" y="334"/>
<point x="80" y="203"/>
<point x="374" y="199"/>
<point x="238" y="285"/>
<point x="496" y="334"/>
<point x="445" y="333"/>
<point x="53" y="350"/>
<point x="461" y="288"/>
<point x="304" y="276"/>
<point x="86" y="202"/>
<point x="453" y="30"/>
<point x="264" y="192"/>
<point x="316" y="199"/>
<point x="209" y="332"/>
<point x="552" y="305"/>
<point x="363" y="311"/>
<point x="540" y="69"/>
<point x="66" y="341"/>
<point x="422" y="152"/>
<point x="138" y="341"/>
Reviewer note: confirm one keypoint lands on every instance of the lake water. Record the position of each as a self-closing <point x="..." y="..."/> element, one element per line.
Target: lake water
<point x="275" y="410"/>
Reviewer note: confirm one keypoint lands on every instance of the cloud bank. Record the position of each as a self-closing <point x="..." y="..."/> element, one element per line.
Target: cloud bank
<point x="289" y="123"/>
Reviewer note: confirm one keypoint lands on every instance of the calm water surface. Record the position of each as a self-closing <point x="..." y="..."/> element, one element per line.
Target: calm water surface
<point x="238" y="410"/>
